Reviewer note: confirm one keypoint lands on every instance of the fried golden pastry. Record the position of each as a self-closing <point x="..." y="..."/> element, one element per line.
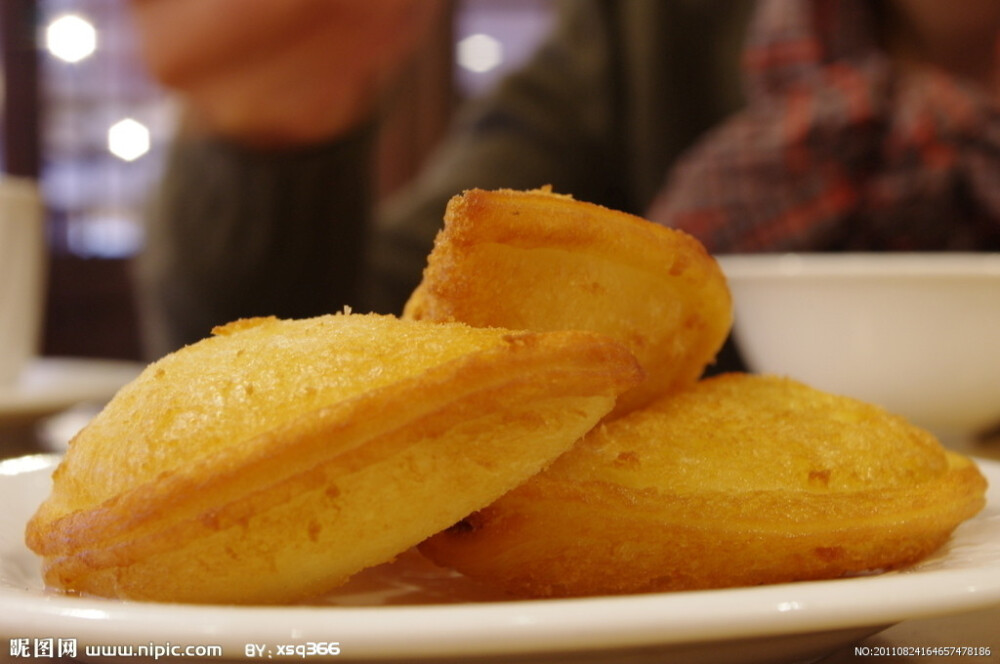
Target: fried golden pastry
<point x="277" y="458"/>
<point x="536" y="260"/>
<point x="740" y="480"/>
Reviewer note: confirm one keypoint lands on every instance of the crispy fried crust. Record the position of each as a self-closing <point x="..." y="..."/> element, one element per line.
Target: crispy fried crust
<point x="542" y="261"/>
<point x="740" y="480"/>
<point x="277" y="458"/>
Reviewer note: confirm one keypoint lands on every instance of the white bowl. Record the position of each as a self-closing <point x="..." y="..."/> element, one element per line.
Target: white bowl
<point x="916" y="333"/>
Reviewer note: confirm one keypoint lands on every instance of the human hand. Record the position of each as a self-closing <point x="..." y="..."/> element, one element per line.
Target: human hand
<point x="279" y="72"/>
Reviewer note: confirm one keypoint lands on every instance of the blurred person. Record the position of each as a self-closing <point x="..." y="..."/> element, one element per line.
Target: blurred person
<point x="868" y="127"/>
<point x="858" y="125"/>
<point x="266" y="204"/>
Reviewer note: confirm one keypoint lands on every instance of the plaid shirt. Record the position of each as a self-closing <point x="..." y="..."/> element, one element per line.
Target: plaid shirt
<point x="837" y="150"/>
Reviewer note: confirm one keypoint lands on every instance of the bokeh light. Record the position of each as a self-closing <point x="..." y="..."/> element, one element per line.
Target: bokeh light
<point x="479" y="53"/>
<point x="128" y="139"/>
<point x="71" y="38"/>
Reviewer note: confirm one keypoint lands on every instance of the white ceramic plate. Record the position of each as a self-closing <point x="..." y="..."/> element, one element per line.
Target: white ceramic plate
<point x="789" y="622"/>
<point x="50" y="384"/>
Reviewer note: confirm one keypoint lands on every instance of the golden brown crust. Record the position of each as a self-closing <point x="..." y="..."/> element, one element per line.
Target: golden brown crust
<point x="740" y="480"/>
<point x="542" y="261"/>
<point x="279" y="457"/>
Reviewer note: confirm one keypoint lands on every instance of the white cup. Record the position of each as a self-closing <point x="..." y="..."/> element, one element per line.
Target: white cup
<point x="22" y="275"/>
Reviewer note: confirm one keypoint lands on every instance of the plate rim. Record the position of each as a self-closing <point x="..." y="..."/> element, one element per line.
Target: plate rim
<point x="104" y="376"/>
<point x="549" y="625"/>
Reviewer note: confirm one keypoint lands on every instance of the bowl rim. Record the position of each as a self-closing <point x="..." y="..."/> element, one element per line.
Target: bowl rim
<point x="860" y="264"/>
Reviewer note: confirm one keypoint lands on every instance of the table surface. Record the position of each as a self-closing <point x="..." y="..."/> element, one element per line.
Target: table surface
<point x="911" y="642"/>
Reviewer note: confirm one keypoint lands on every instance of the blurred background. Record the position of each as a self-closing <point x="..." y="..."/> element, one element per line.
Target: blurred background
<point x="81" y="115"/>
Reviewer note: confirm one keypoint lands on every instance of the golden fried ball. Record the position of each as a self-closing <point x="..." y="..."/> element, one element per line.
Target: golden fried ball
<point x="537" y="260"/>
<point x="740" y="480"/>
<point x="277" y="458"/>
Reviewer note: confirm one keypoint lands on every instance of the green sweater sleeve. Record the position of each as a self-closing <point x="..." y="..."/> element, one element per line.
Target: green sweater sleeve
<point x="550" y="123"/>
<point x="234" y="232"/>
